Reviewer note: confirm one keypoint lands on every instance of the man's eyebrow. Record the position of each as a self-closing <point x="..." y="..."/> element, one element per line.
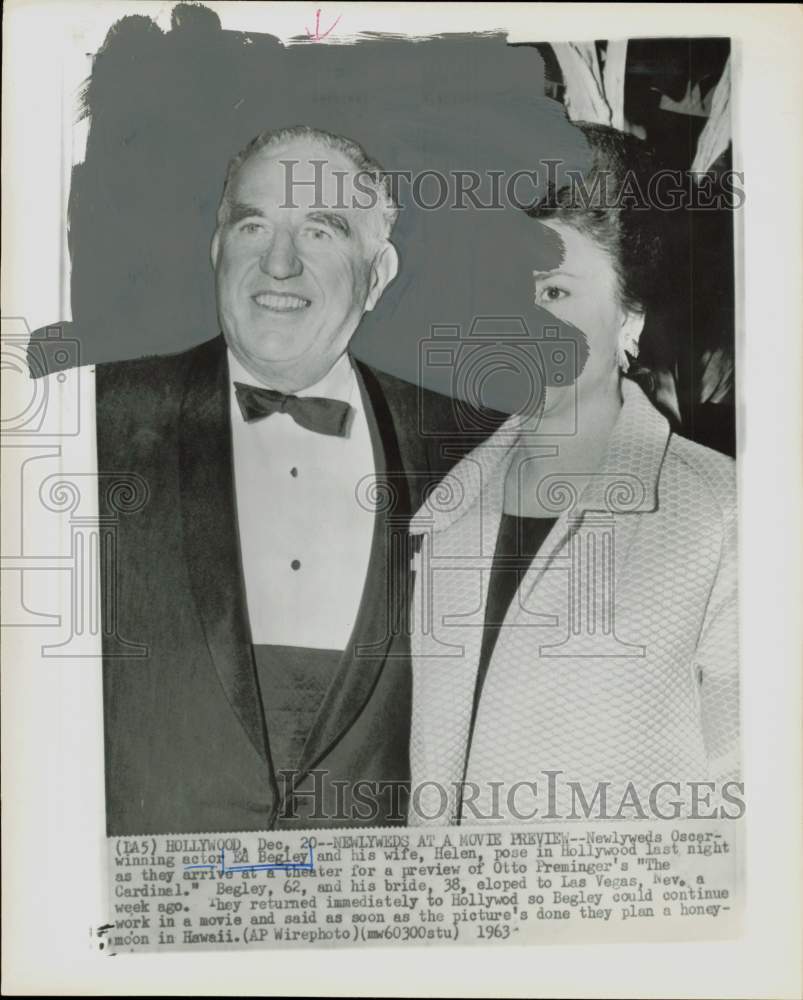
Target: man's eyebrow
<point x="554" y="273"/>
<point x="239" y="210"/>
<point x="339" y="222"/>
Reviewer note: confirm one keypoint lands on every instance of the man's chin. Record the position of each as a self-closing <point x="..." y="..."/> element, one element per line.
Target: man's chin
<point x="276" y="348"/>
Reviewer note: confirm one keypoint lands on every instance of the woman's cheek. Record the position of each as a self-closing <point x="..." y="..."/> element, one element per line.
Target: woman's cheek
<point x="559" y="310"/>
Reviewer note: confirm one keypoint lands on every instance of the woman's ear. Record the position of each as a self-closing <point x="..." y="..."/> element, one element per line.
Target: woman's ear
<point x="629" y="335"/>
<point x="384" y="269"/>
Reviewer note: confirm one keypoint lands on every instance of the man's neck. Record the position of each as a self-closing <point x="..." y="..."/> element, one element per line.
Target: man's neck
<point x="336" y="383"/>
<point x="542" y="452"/>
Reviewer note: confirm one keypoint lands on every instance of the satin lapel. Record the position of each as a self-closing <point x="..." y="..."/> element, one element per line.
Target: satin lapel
<point x="211" y="544"/>
<point x="382" y="609"/>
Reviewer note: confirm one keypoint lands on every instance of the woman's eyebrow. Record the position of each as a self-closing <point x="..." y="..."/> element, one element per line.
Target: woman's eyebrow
<point x="554" y="274"/>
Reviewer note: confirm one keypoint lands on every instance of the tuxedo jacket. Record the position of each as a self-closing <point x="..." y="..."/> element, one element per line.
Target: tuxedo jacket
<point x="186" y="747"/>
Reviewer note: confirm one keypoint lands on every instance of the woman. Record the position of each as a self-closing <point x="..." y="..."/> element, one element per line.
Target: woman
<point x="575" y="601"/>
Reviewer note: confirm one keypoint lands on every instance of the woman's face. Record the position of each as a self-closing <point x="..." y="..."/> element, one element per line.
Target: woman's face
<point x="583" y="290"/>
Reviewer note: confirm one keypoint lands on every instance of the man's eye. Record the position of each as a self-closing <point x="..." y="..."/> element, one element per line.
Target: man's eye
<point x="315" y="233"/>
<point x="251" y="227"/>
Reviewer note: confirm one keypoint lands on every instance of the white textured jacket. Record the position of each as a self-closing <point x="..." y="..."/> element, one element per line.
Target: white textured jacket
<point x="617" y="661"/>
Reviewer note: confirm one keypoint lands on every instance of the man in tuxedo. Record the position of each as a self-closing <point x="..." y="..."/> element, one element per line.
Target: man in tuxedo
<point x="268" y="572"/>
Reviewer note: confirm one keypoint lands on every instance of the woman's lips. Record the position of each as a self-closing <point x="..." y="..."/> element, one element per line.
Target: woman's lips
<point x="282" y="302"/>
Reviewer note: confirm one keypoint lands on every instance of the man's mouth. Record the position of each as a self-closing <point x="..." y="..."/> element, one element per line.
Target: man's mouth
<point x="283" y="302"/>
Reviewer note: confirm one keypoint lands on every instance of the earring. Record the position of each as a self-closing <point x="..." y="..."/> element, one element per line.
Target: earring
<point x="627" y="351"/>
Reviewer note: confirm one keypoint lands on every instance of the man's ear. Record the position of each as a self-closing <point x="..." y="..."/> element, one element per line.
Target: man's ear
<point x="215" y="248"/>
<point x="384" y="269"/>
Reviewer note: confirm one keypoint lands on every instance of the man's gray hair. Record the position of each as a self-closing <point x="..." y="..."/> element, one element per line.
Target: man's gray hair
<point x="372" y="175"/>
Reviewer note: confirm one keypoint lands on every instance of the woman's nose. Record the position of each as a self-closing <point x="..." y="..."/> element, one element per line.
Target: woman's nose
<point x="280" y="260"/>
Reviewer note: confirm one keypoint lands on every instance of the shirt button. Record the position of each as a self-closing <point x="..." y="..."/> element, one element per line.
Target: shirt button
<point x="294" y="472"/>
<point x="295" y="564"/>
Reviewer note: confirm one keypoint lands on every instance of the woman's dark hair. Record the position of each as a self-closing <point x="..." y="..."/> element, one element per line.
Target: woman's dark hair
<point x="609" y="202"/>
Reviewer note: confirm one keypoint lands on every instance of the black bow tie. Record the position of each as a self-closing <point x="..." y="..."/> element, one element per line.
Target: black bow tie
<point x="315" y="413"/>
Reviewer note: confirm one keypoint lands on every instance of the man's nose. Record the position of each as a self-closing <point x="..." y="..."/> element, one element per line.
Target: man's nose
<point x="280" y="260"/>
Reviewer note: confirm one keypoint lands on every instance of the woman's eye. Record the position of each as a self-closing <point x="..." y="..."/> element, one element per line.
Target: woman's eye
<point x="551" y="293"/>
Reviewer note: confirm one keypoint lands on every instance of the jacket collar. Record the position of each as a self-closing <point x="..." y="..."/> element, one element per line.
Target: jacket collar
<point x="381" y="614"/>
<point x="209" y="523"/>
<point x="625" y="482"/>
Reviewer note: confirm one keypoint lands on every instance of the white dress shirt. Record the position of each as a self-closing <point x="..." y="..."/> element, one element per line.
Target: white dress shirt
<point x="305" y="540"/>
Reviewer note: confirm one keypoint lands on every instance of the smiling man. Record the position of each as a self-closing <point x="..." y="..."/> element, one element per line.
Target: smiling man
<point x="268" y="574"/>
<point x="299" y="254"/>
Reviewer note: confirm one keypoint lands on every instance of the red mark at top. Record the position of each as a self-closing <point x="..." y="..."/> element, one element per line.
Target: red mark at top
<point x="317" y="34"/>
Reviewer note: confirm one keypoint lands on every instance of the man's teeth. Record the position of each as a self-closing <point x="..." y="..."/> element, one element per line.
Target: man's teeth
<point x="281" y="303"/>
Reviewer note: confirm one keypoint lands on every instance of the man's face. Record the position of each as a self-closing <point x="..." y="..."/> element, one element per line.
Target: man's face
<point x="294" y="278"/>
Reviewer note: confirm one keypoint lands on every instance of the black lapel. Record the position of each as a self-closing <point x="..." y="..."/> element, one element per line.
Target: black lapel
<point x="211" y="544"/>
<point x="382" y="615"/>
